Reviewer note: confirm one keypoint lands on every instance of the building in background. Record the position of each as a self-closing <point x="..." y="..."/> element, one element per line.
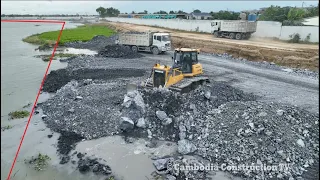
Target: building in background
<point x="312" y="21"/>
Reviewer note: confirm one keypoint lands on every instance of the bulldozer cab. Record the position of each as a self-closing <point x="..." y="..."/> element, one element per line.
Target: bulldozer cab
<point x="185" y="58"/>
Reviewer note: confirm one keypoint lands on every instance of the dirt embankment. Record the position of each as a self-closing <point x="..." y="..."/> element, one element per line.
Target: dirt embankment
<point x="305" y="56"/>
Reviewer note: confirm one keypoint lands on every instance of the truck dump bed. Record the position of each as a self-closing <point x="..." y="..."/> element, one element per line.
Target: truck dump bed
<point x="239" y="26"/>
<point x="136" y="38"/>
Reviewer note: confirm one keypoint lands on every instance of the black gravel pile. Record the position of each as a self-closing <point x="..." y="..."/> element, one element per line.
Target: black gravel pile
<point x="56" y="79"/>
<point x="96" y="43"/>
<point x="174" y="105"/>
<point x="118" y="51"/>
<point x="66" y="143"/>
<point x="225" y="125"/>
<point x="93" y="62"/>
<point x="258" y="133"/>
<point x="89" y="109"/>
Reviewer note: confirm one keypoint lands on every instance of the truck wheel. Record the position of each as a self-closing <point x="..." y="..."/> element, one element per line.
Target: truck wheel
<point x="155" y="51"/>
<point x="216" y="34"/>
<point x="231" y="36"/>
<point x="238" y="36"/>
<point x="134" y="48"/>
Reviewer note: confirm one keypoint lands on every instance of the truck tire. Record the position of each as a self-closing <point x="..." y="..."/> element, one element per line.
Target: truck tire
<point x="134" y="48"/>
<point x="238" y="36"/>
<point x="232" y="36"/>
<point x="155" y="51"/>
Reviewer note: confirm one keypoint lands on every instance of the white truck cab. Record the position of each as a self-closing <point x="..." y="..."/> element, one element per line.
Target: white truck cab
<point x="162" y="41"/>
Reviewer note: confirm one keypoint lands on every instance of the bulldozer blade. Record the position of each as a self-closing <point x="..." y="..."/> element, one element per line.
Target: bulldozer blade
<point x="132" y="87"/>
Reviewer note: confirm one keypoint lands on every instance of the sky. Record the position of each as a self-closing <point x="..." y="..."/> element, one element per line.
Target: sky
<point x="89" y="7"/>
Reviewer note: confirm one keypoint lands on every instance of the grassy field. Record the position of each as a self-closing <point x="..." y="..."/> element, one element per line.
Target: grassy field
<point x="81" y="33"/>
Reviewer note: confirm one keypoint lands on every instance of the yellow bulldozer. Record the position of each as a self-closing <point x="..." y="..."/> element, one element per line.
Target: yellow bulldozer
<point x="185" y="74"/>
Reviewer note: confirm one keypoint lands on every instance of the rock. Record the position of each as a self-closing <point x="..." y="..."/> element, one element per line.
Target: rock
<point x="280" y="112"/>
<point x="251" y="125"/>
<point x="138" y="100"/>
<point x="192" y="106"/>
<point x="80" y="155"/>
<point x="36" y="112"/>
<point x="95" y="168"/>
<point x="83" y="166"/>
<point x="170" y="177"/>
<point x="149" y="134"/>
<point x="167" y="121"/>
<point x="79" y="98"/>
<point x="71" y="110"/>
<point x="50" y="136"/>
<point x="127" y="101"/>
<point x="186" y="147"/>
<point x="141" y="123"/>
<point x="268" y="133"/>
<point x="161" y="115"/>
<point x="300" y="143"/>
<point x="44" y="116"/>
<point x="207" y="94"/>
<point x="160" y="164"/>
<point x="126" y="124"/>
<point x="262" y="114"/>
<point x="64" y="160"/>
<point x="287" y="70"/>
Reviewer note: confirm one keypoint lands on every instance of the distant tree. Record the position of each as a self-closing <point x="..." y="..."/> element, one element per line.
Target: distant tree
<point x="312" y="11"/>
<point x="225" y="15"/>
<point x="109" y="12"/>
<point x="145" y="11"/>
<point x="197" y="11"/>
<point x="133" y="12"/>
<point x="101" y="11"/>
<point x="112" y="12"/>
<point x="275" y="13"/>
<point x="171" y="12"/>
<point x="181" y="12"/>
<point x="160" y="12"/>
<point x="296" y="14"/>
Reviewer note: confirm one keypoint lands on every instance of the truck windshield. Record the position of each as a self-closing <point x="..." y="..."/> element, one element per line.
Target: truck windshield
<point x="165" y="38"/>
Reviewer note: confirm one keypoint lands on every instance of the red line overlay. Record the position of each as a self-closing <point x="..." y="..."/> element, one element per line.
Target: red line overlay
<point x="44" y="78"/>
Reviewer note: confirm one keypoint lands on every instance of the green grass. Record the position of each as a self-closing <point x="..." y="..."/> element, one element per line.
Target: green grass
<point x="6" y="127"/>
<point x="80" y="33"/>
<point x="40" y="162"/>
<point x="18" y="114"/>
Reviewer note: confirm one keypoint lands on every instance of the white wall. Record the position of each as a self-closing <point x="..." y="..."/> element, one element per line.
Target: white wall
<point x="302" y="30"/>
<point x="268" y="29"/>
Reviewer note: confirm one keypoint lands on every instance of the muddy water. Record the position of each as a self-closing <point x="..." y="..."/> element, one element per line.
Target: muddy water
<point x="21" y="72"/>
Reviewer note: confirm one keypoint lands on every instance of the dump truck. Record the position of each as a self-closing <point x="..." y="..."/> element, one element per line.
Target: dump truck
<point x="155" y="42"/>
<point x="233" y="29"/>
